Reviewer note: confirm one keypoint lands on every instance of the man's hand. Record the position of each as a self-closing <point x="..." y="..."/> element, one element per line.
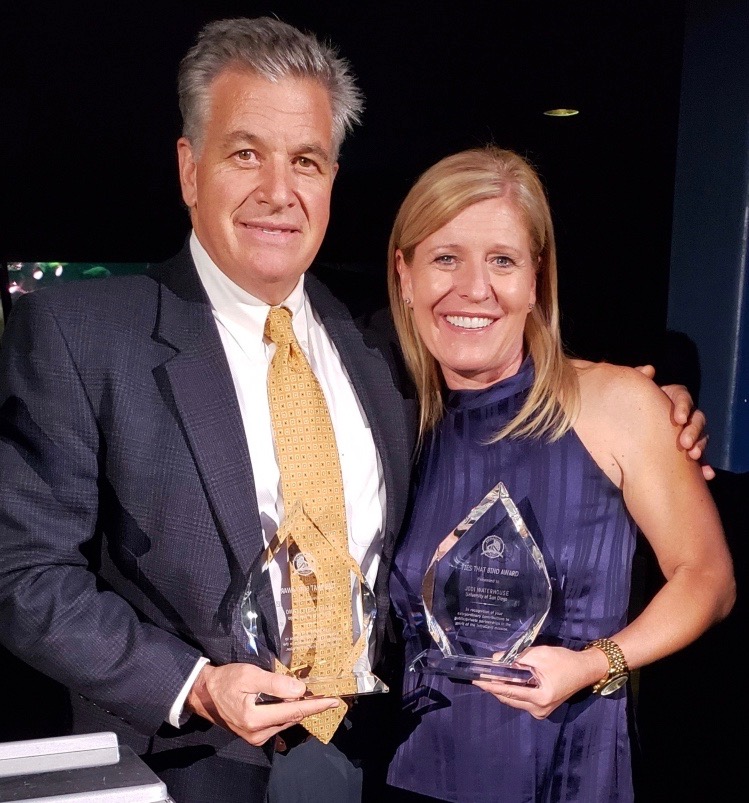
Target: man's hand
<point x="693" y="437"/>
<point x="225" y="695"/>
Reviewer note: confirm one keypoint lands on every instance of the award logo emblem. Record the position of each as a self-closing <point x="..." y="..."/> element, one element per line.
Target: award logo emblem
<point x="295" y="621"/>
<point x="301" y="565"/>
<point x="493" y="547"/>
<point x="486" y="594"/>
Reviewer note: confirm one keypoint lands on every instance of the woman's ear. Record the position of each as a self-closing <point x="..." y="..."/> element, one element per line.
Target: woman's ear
<point x="404" y="273"/>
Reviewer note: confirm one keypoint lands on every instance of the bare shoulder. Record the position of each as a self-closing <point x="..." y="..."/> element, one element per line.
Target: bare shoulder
<point x="623" y="415"/>
<point x="617" y="391"/>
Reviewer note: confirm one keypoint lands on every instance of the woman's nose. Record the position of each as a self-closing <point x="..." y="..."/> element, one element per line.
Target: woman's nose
<point x="472" y="281"/>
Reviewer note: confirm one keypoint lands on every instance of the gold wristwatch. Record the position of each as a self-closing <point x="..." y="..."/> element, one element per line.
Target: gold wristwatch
<point x="618" y="673"/>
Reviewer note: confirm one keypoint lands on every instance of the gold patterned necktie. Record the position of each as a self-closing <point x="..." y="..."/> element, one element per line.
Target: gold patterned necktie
<point x="314" y="526"/>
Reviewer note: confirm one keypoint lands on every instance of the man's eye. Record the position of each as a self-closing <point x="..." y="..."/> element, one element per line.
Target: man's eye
<point x="245" y="155"/>
<point x="305" y="162"/>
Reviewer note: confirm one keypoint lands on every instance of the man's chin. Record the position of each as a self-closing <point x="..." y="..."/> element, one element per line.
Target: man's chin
<point x="267" y="283"/>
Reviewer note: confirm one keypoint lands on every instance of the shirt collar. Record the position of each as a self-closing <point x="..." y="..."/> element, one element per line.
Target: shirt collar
<point x="233" y="305"/>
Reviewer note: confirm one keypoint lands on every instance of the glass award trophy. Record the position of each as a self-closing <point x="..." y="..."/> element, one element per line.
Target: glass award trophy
<point x="486" y="594"/>
<point x="296" y="620"/>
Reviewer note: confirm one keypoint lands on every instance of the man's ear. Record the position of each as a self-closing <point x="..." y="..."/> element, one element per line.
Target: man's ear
<point x="187" y="172"/>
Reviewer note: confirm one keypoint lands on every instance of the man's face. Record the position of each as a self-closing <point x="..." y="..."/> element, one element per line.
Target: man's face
<point x="259" y="185"/>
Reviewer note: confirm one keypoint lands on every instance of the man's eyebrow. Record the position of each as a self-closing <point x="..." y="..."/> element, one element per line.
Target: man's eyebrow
<point x="240" y="135"/>
<point x="313" y="150"/>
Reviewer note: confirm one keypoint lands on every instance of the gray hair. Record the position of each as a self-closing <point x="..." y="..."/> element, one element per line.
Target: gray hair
<point x="271" y="49"/>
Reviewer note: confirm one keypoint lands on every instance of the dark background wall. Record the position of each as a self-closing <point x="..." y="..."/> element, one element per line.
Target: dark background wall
<point x="709" y="289"/>
<point x="89" y="122"/>
<point x="688" y="710"/>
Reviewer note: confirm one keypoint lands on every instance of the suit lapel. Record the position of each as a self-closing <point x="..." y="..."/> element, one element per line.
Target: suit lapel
<point x="206" y="405"/>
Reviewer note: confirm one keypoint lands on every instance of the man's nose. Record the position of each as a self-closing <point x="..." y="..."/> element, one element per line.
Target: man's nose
<point x="276" y="185"/>
<point x="472" y="281"/>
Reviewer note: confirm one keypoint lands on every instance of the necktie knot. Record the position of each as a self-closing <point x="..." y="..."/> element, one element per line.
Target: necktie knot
<point x="278" y="327"/>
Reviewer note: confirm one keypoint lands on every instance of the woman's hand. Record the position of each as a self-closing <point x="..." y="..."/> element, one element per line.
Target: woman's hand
<point x="560" y="673"/>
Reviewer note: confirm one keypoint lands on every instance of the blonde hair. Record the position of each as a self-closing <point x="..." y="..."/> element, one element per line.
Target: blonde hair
<point x="440" y="194"/>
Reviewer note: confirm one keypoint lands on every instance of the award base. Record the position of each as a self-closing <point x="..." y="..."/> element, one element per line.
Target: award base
<point x="356" y="685"/>
<point x="471" y="667"/>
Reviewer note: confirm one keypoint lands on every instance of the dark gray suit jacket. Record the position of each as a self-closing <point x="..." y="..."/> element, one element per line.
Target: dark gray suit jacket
<point x="128" y="519"/>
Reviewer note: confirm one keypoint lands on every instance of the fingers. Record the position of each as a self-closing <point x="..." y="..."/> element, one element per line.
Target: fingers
<point x="697" y="452"/>
<point x="517" y="696"/>
<point x="503" y="691"/>
<point x="284" y="686"/>
<point x="648" y="370"/>
<point x="226" y="696"/>
<point x="265" y="721"/>
<point x="698" y="449"/>
<point x="260" y="722"/>
<point x="693" y="435"/>
<point x="683" y="406"/>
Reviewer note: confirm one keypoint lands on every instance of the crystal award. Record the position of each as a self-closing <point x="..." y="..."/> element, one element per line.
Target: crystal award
<point x="296" y="623"/>
<point x="486" y="594"/>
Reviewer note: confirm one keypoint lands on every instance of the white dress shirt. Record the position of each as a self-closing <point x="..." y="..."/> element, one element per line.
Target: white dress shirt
<point x="241" y="321"/>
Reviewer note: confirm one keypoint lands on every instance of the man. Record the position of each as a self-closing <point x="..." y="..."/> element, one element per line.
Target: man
<point x="139" y="481"/>
<point x="139" y="478"/>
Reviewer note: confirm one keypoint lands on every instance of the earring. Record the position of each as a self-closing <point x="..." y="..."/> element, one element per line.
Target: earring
<point x="407" y="302"/>
<point x="530" y="307"/>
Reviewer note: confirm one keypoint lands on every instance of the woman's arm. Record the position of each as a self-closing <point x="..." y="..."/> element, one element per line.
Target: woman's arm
<point x="626" y="424"/>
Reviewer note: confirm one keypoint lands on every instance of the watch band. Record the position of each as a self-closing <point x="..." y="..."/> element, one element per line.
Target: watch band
<point x="617" y="662"/>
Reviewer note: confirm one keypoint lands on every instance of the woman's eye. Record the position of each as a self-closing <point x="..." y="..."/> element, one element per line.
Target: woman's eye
<point x="502" y="261"/>
<point x="445" y="259"/>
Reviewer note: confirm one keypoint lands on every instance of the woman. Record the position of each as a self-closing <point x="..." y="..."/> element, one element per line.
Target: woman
<point x="590" y="447"/>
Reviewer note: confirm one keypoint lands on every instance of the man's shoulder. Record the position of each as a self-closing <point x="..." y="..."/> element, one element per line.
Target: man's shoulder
<point x="112" y="295"/>
<point x="90" y="299"/>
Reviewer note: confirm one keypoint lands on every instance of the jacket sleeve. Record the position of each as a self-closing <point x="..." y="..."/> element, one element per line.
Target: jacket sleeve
<point x="56" y="613"/>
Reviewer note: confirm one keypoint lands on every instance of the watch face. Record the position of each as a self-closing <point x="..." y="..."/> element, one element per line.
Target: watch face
<point x="614" y="684"/>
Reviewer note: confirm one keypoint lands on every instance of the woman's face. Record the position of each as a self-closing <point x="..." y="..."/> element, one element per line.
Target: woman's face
<point x="471" y="284"/>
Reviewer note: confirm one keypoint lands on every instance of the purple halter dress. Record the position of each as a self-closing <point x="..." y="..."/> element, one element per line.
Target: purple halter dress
<point x="456" y="742"/>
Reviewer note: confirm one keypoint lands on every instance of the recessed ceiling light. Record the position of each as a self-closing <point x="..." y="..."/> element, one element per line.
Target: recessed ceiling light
<point x="561" y="112"/>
